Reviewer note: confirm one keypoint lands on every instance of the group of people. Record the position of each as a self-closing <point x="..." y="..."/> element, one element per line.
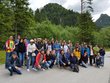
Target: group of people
<point x="42" y="54"/>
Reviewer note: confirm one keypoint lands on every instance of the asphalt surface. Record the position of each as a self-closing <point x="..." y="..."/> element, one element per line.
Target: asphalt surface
<point x="55" y="75"/>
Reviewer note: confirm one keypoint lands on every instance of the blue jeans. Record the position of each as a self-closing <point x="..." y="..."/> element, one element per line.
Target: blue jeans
<point x="44" y="65"/>
<point x="30" y="60"/>
<point x="102" y="60"/>
<point x="84" y="64"/>
<point x="8" y="56"/>
<point x="49" y="63"/>
<point x="22" y="57"/>
<point x="57" y="58"/>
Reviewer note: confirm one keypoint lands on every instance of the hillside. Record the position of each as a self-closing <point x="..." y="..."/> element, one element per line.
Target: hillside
<point x="103" y="21"/>
<point x="57" y="15"/>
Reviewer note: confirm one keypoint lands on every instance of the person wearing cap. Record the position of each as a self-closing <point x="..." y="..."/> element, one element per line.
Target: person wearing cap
<point x="10" y="46"/>
<point x="13" y="64"/>
<point x="31" y="48"/>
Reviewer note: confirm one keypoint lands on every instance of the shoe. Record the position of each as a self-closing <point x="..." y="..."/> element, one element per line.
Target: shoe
<point x="28" y="70"/>
<point x="11" y="73"/>
<point x="34" y="69"/>
<point x="43" y="69"/>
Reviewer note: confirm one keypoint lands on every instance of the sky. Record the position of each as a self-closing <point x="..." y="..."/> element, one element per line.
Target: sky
<point x="100" y="6"/>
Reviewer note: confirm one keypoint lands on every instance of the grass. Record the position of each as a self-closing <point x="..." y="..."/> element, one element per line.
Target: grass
<point x="2" y="57"/>
<point x="107" y="49"/>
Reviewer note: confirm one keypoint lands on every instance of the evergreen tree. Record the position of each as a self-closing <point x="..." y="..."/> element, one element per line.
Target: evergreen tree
<point x="86" y="23"/>
<point x="23" y="16"/>
<point x="6" y="21"/>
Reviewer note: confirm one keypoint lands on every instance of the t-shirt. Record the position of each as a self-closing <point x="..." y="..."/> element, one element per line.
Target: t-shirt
<point x="49" y="47"/>
<point x="10" y="44"/>
<point x="96" y="50"/>
<point x="65" y="48"/>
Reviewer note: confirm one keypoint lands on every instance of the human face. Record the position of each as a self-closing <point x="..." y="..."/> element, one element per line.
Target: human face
<point x="48" y="52"/>
<point x="42" y="52"/>
<point x="11" y="38"/>
<point x="62" y="52"/>
<point x="14" y="56"/>
<point x="21" y="40"/>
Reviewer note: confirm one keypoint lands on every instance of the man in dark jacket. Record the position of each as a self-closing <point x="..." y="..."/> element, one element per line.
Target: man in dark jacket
<point x="102" y="54"/>
<point x="14" y="64"/>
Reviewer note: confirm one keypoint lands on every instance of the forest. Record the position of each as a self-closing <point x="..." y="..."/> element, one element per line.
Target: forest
<point x="51" y="21"/>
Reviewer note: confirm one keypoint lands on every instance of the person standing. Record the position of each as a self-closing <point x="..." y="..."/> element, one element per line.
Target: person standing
<point x="96" y="51"/>
<point x="31" y="48"/>
<point x="10" y="46"/>
<point x="102" y="54"/>
<point x="57" y="48"/>
<point x="91" y="58"/>
<point x="16" y="43"/>
<point x="21" y="51"/>
<point x="65" y="47"/>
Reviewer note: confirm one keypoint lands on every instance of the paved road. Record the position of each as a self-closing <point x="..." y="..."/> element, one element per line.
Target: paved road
<point x="88" y="75"/>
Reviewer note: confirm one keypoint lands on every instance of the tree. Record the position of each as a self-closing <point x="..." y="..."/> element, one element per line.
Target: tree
<point x="57" y="15"/>
<point x="6" y="21"/>
<point x="23" y="16"/>
<point x="86" y="23"/>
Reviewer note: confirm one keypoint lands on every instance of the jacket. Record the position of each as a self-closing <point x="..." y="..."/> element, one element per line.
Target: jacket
<point x="38" y="57"/>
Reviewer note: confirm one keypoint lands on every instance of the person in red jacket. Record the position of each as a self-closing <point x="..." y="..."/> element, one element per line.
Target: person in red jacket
<point x="41" y="60"/>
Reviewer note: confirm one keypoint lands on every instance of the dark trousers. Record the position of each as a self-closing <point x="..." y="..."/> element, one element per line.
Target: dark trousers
<point x="74" y="67"/>
<point x="13" y="69"/>
<point x="92" y="60"/>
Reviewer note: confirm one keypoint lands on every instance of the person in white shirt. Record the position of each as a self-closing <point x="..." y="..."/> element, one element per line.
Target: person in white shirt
<point x="91" y="58"/>
<point x="49" y="46"/>
<point x="31" y="54"/>
<point x="65" y="47"/>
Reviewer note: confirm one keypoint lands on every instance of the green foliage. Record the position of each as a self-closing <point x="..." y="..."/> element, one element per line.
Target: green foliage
<point x="52" y="21"/>
<point x="103" y="21"/>
<point x="57" y="15"/>
<point x="102" y="37"/>
<point x="86" y="27"/>
<point x="23" y="16"/>
<point x="15" y="18"/>
<point x="6" y="21"/>
<point x="2" y="57"/>
<point x="48" y="30"/>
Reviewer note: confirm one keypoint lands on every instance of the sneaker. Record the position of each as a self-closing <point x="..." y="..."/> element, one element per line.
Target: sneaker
<point x="34" y="69"/>
<point x="43" y="69"/>
<point x="100" y="67"/>
<point x="28" y="70"/>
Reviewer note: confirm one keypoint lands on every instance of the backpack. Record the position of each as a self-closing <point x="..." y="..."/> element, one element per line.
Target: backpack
<point x="76" y="68"/>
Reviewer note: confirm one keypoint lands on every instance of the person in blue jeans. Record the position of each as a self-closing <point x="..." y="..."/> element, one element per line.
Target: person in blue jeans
<point x="63" y="61"/>
<point x="57" y="48"/>
<point x="21" y="51"/>
<point x="9" y="47"/>
<point x="31" y="48"/>
<point x="102" y="54"/>
<point x="14" y="65"/>
<point x="48" y="58"/>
